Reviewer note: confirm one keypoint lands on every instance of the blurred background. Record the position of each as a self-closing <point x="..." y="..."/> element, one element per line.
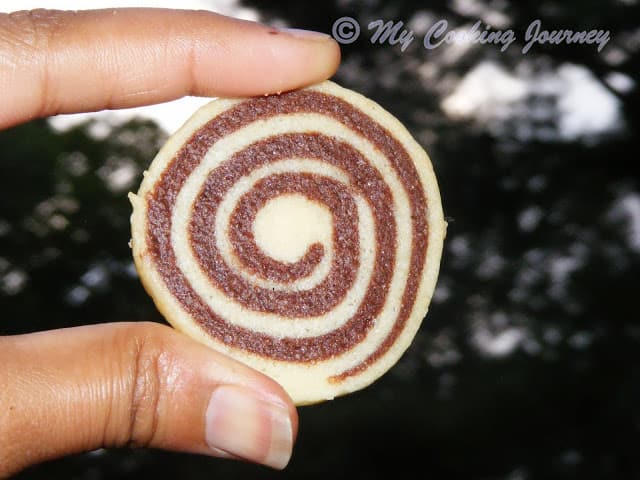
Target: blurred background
<point x="528" y="363"/>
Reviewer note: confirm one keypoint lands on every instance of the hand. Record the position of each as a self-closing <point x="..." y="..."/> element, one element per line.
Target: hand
<point x="140" y="384"/>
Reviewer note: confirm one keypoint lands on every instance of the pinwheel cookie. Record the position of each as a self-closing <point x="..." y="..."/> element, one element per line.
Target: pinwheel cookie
<point x="299" y="233"/>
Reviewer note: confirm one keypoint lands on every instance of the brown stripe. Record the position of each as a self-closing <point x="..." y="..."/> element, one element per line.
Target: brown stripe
<point x="315" y="301"/>
<point x="244" y="244"/>
<point x="364" y="181"/>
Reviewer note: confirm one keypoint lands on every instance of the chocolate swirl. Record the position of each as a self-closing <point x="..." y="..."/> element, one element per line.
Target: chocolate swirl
<point x="353" y="293"/>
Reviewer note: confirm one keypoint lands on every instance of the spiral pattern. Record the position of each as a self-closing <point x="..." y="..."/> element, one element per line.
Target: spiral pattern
<point x="341" y="305"/>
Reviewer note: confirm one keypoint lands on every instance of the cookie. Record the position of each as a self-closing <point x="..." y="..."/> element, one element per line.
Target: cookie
<point x="299" y="233"/>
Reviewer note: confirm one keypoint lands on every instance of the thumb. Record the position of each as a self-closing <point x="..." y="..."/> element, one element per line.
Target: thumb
<point x="139" y="384"/>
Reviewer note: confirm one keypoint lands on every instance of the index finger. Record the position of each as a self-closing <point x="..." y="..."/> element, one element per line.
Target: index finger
<point x="62" y="62"/>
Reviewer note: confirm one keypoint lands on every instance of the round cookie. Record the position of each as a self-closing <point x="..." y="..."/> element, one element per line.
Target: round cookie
<point x="299" y="233"/>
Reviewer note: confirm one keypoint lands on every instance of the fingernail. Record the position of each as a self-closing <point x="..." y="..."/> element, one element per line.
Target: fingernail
<point x="305" y="34"/>
<point x="245" y="425"/>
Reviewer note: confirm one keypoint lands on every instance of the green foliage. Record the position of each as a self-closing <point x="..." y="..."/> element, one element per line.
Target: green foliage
<point x="64" y="253"/>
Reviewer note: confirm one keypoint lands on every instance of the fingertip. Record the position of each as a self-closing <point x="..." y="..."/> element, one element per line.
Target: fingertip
<point x="278" y="394"/>
<point x="265" y="60"/>
<point x="243" y="424"/>
<point x="320" y="52"/>
<point x="269" y="390"/>
<point x="305" y="58"/>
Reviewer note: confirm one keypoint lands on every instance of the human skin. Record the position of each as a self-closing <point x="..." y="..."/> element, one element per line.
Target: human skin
<point x="140" y="384"/>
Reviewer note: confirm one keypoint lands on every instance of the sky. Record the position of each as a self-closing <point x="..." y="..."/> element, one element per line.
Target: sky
<point x="170" y="115"/>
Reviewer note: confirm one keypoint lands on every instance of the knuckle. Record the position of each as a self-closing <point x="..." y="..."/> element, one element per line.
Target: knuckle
<point x="26" y="37"/>
<point x="150" y="363"/>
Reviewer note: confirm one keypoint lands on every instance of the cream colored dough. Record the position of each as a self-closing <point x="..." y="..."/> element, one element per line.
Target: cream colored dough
<point x="284" y="228"/>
